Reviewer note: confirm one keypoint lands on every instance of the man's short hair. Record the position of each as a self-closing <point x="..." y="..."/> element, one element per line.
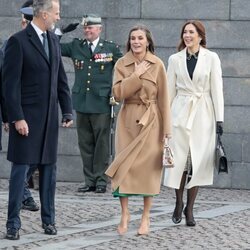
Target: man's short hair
<point x="42" y="5"/>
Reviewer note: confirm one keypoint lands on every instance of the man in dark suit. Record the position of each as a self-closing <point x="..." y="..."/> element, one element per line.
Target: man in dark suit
<point x="34" y="83"/>
<point x="94" y="60"/>
<point x="28" y="202"/>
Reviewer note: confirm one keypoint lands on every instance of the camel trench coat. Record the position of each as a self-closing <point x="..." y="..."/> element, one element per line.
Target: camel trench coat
<point x="196" y="105"/>
<point x="143" y="121"/>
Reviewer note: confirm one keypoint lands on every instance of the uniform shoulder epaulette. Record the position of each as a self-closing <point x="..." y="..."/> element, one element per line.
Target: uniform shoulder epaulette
<point x="111" y="42"/>
<point x="78" y="39"/>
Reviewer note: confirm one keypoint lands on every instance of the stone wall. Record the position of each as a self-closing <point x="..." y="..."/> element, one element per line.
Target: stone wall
<point x="228" y="33"/>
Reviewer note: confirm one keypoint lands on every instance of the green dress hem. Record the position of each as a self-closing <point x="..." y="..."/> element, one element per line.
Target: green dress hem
<point x="116" y="194"/>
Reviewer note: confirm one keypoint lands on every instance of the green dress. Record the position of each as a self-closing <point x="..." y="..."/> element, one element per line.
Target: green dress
<point x="116" y="193"/>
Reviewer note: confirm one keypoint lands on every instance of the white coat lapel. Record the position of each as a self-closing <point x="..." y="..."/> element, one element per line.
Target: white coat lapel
<point x="183" y="67"/>
<point x="200" y="65"/>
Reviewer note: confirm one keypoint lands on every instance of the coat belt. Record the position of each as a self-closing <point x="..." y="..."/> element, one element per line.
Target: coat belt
<point x="144" y="102"/>
<point x="147" y="102"/>
<point x="195" y="98"/>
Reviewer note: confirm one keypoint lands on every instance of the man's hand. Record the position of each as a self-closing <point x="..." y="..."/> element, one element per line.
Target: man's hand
<point x="67" y="121"/>
<point x="22" y="127"/>
<point x="69" y="28"/>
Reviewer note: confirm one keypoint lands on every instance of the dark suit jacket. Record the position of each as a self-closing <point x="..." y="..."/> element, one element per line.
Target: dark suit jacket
<point x="33" y="87"/>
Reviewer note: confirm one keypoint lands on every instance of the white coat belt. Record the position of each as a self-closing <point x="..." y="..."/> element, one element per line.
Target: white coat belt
<point x="189" y="111"/>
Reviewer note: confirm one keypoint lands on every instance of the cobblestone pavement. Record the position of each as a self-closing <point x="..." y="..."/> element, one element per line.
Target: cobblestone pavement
<point x="89" y="221"/>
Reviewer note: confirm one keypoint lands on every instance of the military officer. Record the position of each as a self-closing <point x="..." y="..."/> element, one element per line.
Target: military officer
<point x="93" y="59"/>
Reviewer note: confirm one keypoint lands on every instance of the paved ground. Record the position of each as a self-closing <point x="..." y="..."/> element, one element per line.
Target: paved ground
<point x="89" y="221"/>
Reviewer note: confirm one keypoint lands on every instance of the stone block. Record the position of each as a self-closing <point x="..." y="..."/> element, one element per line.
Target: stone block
<point x="241" y="175"/>
<point x="67" y="142"/>
<point x="237" y="119"/>
<point x="246" y="149"/>
<point x="240" y="10"/>
<point x="10" y="8"/>
<point x="235" y="88"/>
<point x="69" y="168"/>
<point x="235" y="62"/>
<point x="127" y="9"/>
<point x="9" y="26"/>
<point x="233" y="146"/>
<point x="104" y="8"/>
<point x="166" y="33"/>
<point x="192" y="9"/>
<point x="228" y="34"/>
<point x="164" y="54"/>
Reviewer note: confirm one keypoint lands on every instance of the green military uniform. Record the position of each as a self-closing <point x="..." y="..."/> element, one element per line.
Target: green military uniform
<point x="90" y="97"/>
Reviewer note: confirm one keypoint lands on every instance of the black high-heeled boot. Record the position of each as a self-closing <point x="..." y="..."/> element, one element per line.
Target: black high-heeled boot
<point x="177" y="215"/>
<point x="190" y="222"/>
<point x="188" y="211"/>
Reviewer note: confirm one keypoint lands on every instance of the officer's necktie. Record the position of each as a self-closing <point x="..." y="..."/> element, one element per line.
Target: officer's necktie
<point x="45" y="44"/>
<point x="90" y="49"/>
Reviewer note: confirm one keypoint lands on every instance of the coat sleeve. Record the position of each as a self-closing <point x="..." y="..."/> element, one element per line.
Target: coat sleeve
<point x="12" y="69"/>
<point x="217" y="88"/>
<point x="171" y="75"/>
<point x="64" y="91"/>
<point x="66" y="49"/>
<point x="124" y="87"/>
<point x="163" y="101"/>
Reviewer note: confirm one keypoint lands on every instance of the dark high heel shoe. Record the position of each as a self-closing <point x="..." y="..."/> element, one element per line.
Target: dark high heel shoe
<point x="176" y="217"/>
<point x="190" y="222"/>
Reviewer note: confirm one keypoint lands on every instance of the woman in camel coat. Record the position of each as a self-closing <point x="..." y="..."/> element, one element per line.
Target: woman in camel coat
<point x="143" y="124"/>
<point x="196" y="96"/>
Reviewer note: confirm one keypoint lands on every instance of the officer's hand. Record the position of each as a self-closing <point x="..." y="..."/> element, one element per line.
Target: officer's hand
<point x="69" y="28"/>
<point x="219" y="128"/>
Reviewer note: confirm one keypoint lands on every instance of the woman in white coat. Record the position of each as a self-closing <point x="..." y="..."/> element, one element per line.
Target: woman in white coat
<point x="197" y="106"/>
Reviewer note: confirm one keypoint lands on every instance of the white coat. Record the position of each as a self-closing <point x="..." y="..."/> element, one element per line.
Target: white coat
<point x="196" y="105"/>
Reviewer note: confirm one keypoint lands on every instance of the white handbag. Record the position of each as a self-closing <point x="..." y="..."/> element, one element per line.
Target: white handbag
<point x="167" y="159"/>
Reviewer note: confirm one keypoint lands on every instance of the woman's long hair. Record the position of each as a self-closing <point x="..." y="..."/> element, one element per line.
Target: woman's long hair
<point x="148" y="34"/>
<point x="200" y="29"/>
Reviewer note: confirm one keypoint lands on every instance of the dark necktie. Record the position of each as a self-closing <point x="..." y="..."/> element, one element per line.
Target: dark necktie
<point x="90" y="50"/>
<point x="45" y="44"/>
